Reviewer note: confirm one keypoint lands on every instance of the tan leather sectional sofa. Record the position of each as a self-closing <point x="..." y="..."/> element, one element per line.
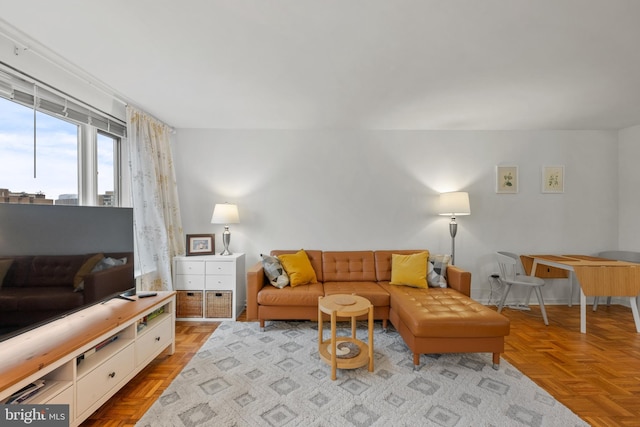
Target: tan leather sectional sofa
<point x="431" y="321"/>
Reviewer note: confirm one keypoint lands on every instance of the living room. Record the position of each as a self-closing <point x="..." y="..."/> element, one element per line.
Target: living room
<point x="341" y="161"/>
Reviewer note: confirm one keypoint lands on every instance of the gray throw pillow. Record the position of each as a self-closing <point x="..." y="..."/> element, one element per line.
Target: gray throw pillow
<point x="274" y="271"/>
<point x="437" y="270"/>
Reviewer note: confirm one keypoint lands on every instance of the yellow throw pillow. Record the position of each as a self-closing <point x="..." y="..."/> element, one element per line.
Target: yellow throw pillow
<point x="299" y="268"/>
<point x="409" y="270"/>
<point x="86" y="269"/>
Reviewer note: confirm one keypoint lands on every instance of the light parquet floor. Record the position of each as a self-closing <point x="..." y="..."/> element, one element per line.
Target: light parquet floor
<point x="596" y="375"/>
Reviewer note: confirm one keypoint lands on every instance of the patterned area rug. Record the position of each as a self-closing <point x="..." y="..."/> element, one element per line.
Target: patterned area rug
<point x="244" y="377"/>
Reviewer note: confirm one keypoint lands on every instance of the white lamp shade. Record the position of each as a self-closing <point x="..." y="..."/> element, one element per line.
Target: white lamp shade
<point x="225" y="213"/>
<point x="455" y="203"/>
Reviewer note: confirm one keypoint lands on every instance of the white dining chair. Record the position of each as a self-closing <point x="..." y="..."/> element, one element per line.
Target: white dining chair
<point x="509" y="266"/>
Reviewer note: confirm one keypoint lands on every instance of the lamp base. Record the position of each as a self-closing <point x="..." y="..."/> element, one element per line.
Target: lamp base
<point x="453" y="230"/>
<point x="226" y="238"/>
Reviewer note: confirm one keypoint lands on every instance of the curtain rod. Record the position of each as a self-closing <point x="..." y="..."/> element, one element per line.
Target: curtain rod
<point x="23" y="42"/>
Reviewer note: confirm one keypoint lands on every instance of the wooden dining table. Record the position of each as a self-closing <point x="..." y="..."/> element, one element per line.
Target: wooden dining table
<point x="596" y="277"/>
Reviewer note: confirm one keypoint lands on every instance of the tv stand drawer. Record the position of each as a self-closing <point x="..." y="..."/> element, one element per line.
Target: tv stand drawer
<point x="97" y="383"/>
<point x="153" y="341"/>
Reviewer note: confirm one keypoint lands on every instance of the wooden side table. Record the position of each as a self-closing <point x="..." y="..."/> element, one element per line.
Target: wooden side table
<point x="345" y="352"/>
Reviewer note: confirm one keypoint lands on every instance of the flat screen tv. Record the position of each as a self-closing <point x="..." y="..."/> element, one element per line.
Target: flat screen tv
<point x="33" y="230"/>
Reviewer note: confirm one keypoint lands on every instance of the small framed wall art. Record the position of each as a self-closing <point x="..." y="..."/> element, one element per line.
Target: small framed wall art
<point x="200" y="244"/>
<point x="553" y="179"/>
<point x="506" y="179"/>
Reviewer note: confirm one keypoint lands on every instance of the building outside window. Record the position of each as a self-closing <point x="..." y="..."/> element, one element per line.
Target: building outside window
<point x="108" y="155"/>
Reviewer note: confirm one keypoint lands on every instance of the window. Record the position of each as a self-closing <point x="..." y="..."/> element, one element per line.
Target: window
<point x="51" y="177"/>
<point x="76" y="155"/>
<point x="107" y="169"/>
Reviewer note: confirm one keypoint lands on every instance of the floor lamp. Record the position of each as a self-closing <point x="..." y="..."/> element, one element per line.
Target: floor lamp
<point x="454" y="204"/>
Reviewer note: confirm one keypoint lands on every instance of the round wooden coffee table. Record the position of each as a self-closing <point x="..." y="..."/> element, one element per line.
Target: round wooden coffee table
<point x="345" y="352"/>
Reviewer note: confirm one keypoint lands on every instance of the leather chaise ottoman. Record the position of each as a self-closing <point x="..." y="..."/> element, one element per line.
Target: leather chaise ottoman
<point x="445" y="321"/>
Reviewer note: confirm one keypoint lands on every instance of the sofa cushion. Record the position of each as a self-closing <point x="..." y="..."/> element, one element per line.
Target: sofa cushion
<point x="344" y="266"/>
<point x="437" y="274"/>
<point x="274" y="271"/>
<point x="298" y="268"/>
<point x="409" y="270"/>
<point x="303" y="295"/>
<point x="369" y="290"/>
<point x="383" y="262"/>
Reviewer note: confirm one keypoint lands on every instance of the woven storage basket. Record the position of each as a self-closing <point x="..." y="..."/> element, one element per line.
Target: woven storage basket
<point x="189" y="304"/>
<point x="219" y="304"/>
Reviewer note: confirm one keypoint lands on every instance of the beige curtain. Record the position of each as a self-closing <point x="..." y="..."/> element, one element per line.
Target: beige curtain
<point x="154" y="197"/>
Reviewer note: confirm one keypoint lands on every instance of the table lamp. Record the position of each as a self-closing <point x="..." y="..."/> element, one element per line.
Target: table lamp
<point x="225" y="213"/>
<point x="454" y="204"/>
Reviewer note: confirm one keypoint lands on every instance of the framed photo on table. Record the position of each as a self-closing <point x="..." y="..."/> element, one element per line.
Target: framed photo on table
<point x="200" y="244"/>
<point x="553" y="179"/>
<point x="506" y="179"/>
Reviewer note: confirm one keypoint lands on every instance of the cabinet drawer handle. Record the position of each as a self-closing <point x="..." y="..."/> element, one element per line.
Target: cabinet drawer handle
<point x="190" y="294"/>
<point x="157" y="338"/>
<point x="112" y="375"/>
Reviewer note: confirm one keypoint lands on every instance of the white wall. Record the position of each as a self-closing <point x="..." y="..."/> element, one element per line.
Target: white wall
<point x="378" y="189"/>
<point x="629" y="179"/>
<point x="38" y="62"/>
<point x="350" y="190"/>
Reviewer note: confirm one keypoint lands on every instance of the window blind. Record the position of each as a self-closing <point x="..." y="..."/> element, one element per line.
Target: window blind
<point x="57" y="104"/>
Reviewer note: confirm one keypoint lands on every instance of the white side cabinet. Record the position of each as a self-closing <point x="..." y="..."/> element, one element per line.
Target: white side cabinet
<point x="210" y="287"/>
<point x="86" y="357"/>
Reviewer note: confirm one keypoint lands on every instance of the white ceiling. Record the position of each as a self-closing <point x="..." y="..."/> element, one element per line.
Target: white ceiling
<point x="363" y="64"/>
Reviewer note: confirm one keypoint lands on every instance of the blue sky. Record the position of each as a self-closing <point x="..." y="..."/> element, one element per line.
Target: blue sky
<point x="56" y="153"/>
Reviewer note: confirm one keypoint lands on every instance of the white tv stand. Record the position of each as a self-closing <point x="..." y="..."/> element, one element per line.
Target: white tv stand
<point x="63" y="352"/>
